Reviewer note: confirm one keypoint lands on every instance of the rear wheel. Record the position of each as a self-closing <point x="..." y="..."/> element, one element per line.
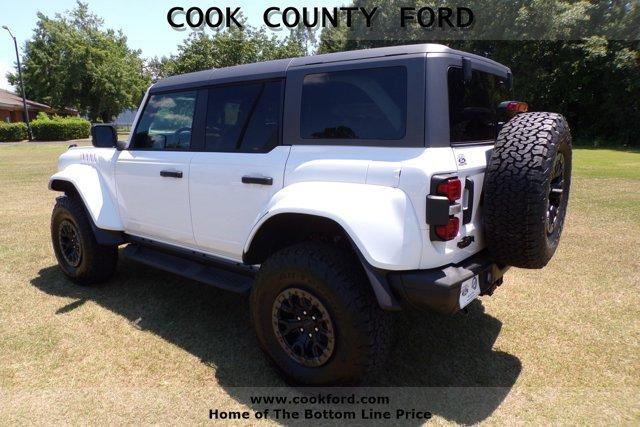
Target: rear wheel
<point x="316" y="317"/>
<point x="79" y="256"/>
<point x="526" y="189"/>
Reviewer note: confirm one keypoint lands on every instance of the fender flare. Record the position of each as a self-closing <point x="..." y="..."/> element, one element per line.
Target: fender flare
<point x="379" y="220"/>
<point x="94" y="193"/>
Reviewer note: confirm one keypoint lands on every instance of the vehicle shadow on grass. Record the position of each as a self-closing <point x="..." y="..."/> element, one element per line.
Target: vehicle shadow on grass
<point x="445" y="365"/>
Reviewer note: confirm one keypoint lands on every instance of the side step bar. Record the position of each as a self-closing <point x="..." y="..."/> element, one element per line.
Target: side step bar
<point x="191" y="269"/>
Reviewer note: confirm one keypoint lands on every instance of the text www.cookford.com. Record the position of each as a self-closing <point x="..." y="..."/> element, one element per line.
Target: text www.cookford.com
<point x="320" y="399"/>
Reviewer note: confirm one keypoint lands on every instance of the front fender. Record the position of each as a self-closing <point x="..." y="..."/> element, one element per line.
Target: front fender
<point x="380" y="220"/>
<point x="94" y="193"/>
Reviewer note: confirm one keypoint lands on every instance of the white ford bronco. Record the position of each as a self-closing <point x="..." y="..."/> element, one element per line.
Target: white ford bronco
<point x="334" y="188"/>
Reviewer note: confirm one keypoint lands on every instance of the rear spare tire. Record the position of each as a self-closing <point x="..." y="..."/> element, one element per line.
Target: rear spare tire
<point x="526" y="189"/>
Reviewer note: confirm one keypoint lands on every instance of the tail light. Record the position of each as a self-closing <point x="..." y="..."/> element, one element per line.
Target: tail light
<point x="451" y="189"/>
<point x="508" y="109"/>
<point x="516" y="107"/>
<point x="449" y="231"/>
<point x="442" y="207"/>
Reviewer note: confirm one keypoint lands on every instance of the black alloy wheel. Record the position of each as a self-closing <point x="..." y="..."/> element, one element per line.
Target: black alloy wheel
<point x="556" y="192"/>
<point x="303" y="327"/>
<point x="70" y="243"/>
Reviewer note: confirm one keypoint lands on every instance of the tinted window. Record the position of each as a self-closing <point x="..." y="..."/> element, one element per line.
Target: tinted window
<point x="227" y="113"/>
<point x="473" y="106"/>
<point x="355" y="104"/>
<point x="263" y="130"/>
<point x="166" y="122"/>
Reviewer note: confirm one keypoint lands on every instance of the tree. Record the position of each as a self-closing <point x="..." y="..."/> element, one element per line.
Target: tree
<point x="156" y="68"/>
<point x="231" y="46"/>
<point x="305" y="37"/>
<point x="71" y="61"/>
<point x="579" y="58"/>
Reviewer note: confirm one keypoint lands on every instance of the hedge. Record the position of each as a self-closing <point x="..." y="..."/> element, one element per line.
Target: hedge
<point x="12" y="131"/>
<point x="60" y="128"/>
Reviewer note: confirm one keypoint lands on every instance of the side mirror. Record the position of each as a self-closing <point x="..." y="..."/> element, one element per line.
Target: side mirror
<point x="104" y="136"/>
<point x="467" y="72"/>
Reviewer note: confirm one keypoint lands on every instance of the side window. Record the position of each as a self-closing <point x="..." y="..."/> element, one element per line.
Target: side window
<point x="166" y="122"/>
<point x="355" y="104"/>
<point x="228" y="110"/>
<point x="473" y="114"/>
<point x="244" y="117"/>
<point x="263" y="130"/>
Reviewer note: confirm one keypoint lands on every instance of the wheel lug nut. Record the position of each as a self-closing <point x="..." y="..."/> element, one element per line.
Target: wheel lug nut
<point x="301" y="329"/>
<point x="309" y="335"/>
<point x="313" y="317"/>
<point x="304" y="312"/>
<point x="316" y="329"/>
<point x="299" y="318"/>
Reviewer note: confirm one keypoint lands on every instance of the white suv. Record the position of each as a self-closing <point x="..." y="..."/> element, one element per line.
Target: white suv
<point x="334" y="188"/>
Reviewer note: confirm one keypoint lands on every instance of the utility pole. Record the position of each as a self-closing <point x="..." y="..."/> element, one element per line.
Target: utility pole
<point x="24" y="98"/>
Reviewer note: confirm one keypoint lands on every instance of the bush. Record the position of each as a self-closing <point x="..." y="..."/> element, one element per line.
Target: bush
<point x="12" y="131"/>
<point x="42" y="116"/>
<point x="60" y="128"/>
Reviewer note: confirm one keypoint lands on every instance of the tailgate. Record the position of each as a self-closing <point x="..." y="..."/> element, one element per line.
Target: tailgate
<point x="472" y="162"/>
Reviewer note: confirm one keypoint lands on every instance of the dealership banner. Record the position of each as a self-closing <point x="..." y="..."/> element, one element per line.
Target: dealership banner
<point x="441" y="20"/>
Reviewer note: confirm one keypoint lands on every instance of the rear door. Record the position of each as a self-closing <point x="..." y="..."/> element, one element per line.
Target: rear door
<point x="152" y="174"/>
<point x="241" y="167"/>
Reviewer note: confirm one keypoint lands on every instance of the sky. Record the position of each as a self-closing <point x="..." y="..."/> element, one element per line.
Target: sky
<point x="144" y="22"/>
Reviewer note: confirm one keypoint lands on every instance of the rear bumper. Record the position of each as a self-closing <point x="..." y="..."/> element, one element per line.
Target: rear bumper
<point x="438" y="289"/>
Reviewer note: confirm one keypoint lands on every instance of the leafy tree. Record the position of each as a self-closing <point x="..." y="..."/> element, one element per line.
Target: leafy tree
<point x="156" y="68"/>
<point x="231" y="46"/>
<point x="71" y="61"/>
<point x="305" y="37"/>
<point x="579" y="58"/>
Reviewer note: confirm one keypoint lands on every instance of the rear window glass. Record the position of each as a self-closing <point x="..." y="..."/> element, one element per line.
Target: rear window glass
<point x="473" y="107"/>
<point x="355" y="104"/>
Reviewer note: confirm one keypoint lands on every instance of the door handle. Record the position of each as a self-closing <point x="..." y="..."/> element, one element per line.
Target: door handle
<point x="171" y="174"/>
<point x="468" y="211"/>
<point x="262" y="180"/>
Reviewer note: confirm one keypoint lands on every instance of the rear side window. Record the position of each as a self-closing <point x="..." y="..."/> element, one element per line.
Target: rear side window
<point x="263" y="129"/>
<point x="227" y="113"/>
<point x="355" y="104"/>
<point x="166" y="122"/>
<point x="243" y="117"/>
<point x="473" y="107"/>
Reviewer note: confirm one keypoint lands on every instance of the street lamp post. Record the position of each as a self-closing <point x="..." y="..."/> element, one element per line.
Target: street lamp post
<point x="24" y="98"/>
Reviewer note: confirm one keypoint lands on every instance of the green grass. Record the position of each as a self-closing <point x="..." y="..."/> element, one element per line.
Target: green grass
<point x="558" y="345"/>
<point x="607" y="164"/>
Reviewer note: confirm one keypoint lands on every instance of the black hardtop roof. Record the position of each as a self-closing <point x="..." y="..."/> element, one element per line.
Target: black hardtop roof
<point x="278" y="68"/>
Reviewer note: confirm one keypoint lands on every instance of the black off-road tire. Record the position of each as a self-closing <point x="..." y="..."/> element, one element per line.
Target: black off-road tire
<point x="522" y="189"/>
<point x="96" y="263"/>
<point x="362" y="330"/>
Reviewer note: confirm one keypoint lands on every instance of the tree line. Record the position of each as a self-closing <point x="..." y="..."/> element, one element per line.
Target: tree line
<point x="72" y="61"/>
<point x="579" y="58"/>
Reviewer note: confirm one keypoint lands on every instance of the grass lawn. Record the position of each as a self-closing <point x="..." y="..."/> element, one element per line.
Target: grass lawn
<point x="558" y="345"/>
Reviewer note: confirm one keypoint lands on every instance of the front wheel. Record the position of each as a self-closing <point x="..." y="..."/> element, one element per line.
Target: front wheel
<point x="79" y="256"/>
<point x="316" y="317"/>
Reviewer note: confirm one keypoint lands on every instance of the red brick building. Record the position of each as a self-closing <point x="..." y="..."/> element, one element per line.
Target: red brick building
<point x="11" y="109"/>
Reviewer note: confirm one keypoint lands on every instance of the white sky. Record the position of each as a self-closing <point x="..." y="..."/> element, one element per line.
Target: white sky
<point x="4" y="69"/>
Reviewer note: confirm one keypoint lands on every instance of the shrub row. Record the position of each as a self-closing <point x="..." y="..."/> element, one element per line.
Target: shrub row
<point x="12" y="131"/>
<point x="60" y="128"/>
